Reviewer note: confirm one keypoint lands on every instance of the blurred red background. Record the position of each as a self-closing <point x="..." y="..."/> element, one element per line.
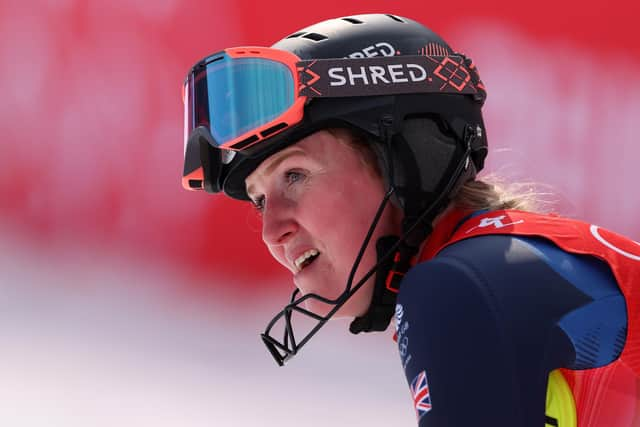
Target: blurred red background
<point x="91" y="125"/>
<point x="91" y="117"/>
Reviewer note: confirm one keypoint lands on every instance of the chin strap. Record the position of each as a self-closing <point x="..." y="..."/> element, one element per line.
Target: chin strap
<point x="389" y="274"/>
<point x="383" y="301"/>
<point x="420" y="209"/>
<point x="416" y="227"/>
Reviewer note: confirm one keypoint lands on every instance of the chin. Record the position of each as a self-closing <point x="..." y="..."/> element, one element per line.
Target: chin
<point x="349" y="310"/>
<point x="320" y="308"/>
<point x="355" y="306"/>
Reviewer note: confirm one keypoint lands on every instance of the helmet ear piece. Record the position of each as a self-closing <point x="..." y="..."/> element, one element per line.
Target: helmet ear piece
<point x="423" y="153"/>
<point x="433" y="150"/>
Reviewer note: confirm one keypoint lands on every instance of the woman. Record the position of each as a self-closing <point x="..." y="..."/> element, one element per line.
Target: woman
<point x="359" y="139"/>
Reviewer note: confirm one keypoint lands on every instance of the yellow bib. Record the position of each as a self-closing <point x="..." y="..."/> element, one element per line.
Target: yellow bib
<point x="560" y="408"/>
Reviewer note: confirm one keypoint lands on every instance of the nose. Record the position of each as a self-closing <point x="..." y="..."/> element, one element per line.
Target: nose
<point x="278" y="221"/>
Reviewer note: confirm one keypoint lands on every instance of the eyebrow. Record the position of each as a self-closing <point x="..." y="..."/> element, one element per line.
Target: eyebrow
<point x="274" y="164"/>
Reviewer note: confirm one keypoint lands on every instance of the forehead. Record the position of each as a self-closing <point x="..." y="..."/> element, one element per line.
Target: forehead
<point x="322" y="147"/>
<point x="267" y="167"/>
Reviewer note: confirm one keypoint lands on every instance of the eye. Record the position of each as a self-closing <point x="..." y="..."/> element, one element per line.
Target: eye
<point x="258" y="203"/>
<point x="293" y="176"/>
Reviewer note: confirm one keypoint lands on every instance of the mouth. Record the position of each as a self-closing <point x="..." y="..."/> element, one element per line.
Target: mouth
<point x="306" y="259"/>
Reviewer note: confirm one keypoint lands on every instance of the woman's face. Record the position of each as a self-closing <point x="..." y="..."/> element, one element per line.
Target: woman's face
<point x="317" y="199"/>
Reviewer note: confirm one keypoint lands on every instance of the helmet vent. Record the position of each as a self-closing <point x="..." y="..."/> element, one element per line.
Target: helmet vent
<point x="352" y="20"/>
<point x="395" y="18"/>
<point x="315" y="37"/>
<point x="294" y="35"/>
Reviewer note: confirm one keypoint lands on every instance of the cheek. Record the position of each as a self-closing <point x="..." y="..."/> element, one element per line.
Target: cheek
<point x="342" y="218"/>
<point x="341" y="213"/>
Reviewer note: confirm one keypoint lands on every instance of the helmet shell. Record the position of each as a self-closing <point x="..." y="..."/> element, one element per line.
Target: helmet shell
<point x="365" y="36"/>
<point x="361" y="36"/>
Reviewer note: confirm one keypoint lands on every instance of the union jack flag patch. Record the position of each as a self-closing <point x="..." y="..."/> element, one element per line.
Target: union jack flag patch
<point x="420" y="393"/>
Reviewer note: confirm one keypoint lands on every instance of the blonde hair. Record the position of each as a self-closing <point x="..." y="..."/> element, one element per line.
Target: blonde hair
<point x="492" y="193"/>
<point x="489" y="193"/>
<point x="360" y="145"/>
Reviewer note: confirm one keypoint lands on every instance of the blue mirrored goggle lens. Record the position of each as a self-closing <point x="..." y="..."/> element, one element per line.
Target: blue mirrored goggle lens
<point x="234" y="96"/>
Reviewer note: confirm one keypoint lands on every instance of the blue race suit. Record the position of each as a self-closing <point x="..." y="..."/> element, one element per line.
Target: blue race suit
<point x="483" y="321"/>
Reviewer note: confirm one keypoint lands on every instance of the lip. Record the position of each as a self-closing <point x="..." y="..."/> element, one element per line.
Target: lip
<point x="304" y="278"/>
<point x="293" y="255"/>
<point x="309" y="267"/>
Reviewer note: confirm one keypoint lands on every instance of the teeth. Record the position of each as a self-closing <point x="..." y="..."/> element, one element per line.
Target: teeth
<point x="305" y="256"/>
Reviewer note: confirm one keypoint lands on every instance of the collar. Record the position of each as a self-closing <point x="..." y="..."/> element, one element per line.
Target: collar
<point x="444" y="228"/>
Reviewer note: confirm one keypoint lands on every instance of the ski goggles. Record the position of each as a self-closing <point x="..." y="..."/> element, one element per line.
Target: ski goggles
<point x="237" y="98"/>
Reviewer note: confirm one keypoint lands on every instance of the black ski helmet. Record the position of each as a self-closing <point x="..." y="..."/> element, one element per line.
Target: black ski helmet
<point x="429" y="130"/>
<point x="427" y="144"/>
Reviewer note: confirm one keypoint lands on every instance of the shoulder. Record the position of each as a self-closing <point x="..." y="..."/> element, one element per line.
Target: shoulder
<point x="498" y="267"/>
<point x="479" y="255"/>
<point x="456" y="270"/>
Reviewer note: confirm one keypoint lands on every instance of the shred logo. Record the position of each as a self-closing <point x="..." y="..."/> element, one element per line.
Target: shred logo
<point x="308" y="78"/>
<point x="378" y="49"/>
<point x="453" y="73"/>
<point x="375" y="74"/>
<point x="495" y="221"/>
<point x="385" y="75"/>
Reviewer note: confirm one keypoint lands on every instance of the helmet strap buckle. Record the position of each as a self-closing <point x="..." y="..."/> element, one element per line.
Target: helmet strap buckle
<point x="396" y="273"/>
